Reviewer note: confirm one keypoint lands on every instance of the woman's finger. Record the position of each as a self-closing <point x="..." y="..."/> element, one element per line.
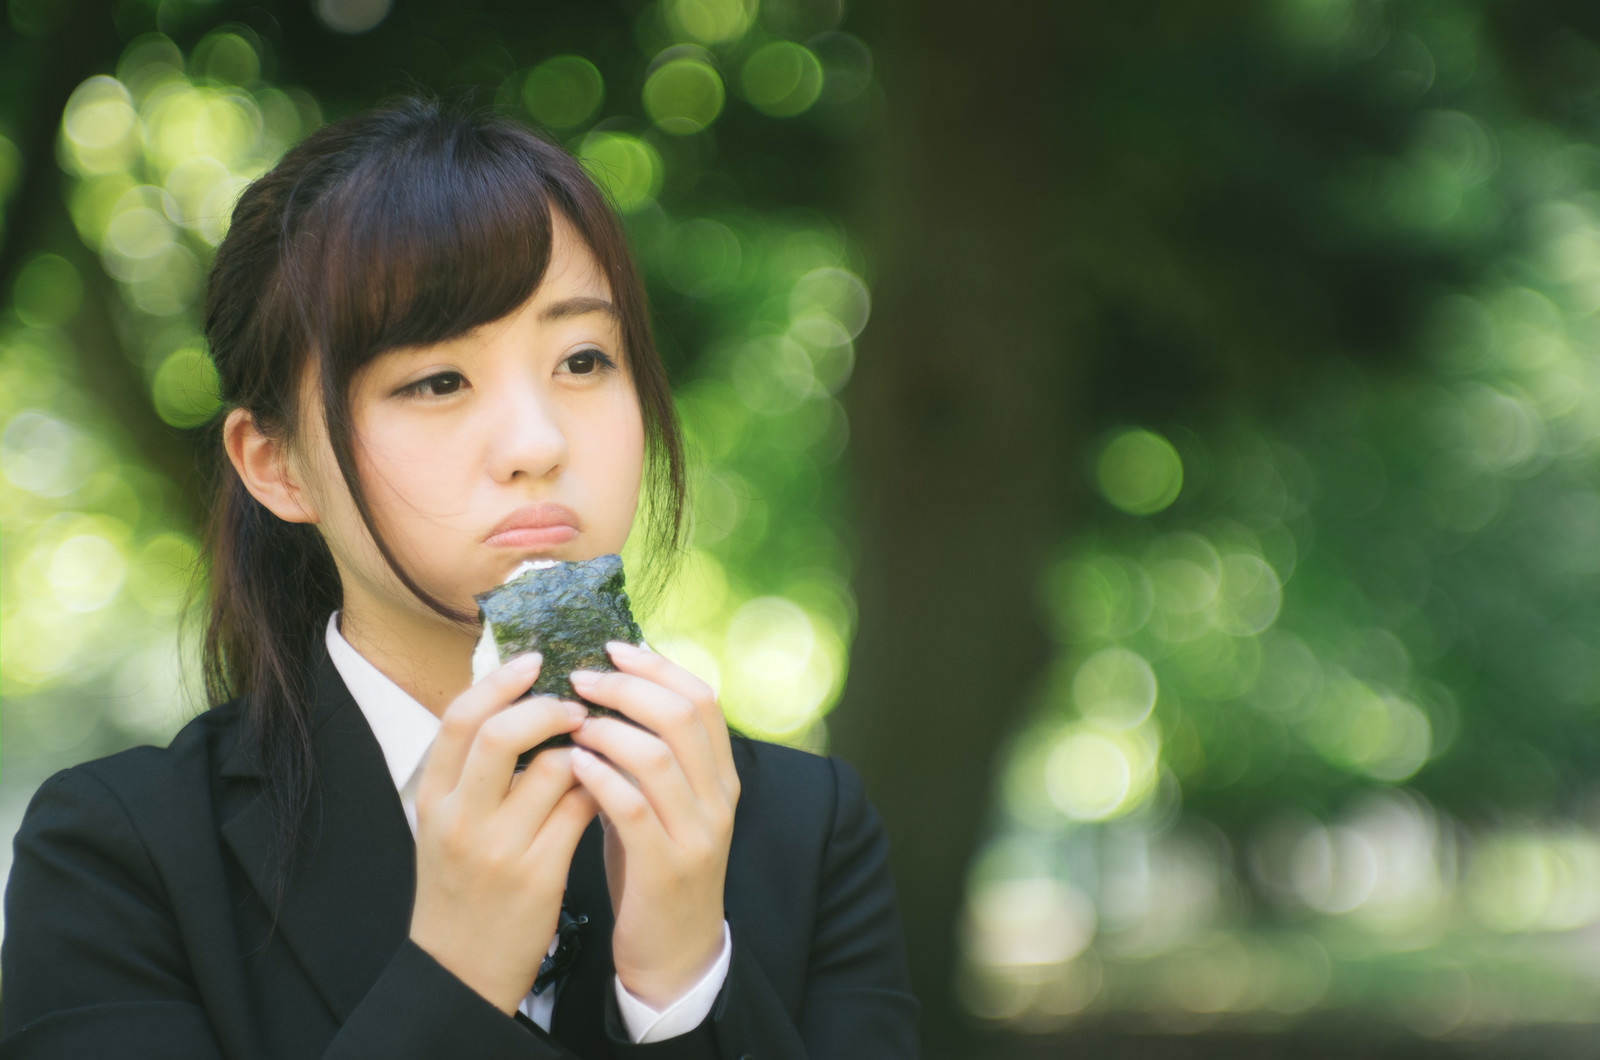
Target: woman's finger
<point x="665" y="713"/>
<point x="501" y="739"/>
<point x="561" y="828"/>
<point x="641" y="662"/>
<point x="653" y="769"/>
<point x="535" y="793"/>
<point x="459" y="724"/>
<point x="627" y="812"/>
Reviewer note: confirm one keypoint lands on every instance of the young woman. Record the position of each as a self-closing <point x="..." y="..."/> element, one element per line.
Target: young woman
<point x="436" y="364"/>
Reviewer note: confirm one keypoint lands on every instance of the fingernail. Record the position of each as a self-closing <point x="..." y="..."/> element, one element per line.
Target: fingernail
<point x="624" y="649"/>
<point x="577" y="712"/>
<point x="528" y="663"/>
<point x="584" y="678"/>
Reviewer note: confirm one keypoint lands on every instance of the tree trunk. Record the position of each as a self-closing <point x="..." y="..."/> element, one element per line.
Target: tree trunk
<point x="963" y="440"/>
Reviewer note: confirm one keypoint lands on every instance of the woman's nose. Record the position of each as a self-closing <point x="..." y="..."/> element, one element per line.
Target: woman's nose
<point x="525" y="433"/>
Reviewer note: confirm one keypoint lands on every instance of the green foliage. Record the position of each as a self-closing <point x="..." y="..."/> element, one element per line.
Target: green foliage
<point x="1331" y="705"/>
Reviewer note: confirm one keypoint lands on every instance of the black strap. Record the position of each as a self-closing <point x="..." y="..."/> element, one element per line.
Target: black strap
<point x="568" y="943"/>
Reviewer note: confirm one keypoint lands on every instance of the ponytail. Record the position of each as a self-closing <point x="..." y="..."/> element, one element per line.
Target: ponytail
<point x="272" y="587"/>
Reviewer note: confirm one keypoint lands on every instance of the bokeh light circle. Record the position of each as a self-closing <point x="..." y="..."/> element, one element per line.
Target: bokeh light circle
<point x="1363" y="729"/>
<point x="226" y="58"/>
<point x="10" y="167"/>
<point x="684" y="96"/>
<point x="352" y="17"/>
<point x="1115" y="687"/>
<point x="86" y="572"/>
<point x="138" y="230"/>
<point x="44" y="455"/>
<point x="1033" y="922"/>
<point x="160" y="576"/>
<point x="706" y="257"/>
<point x="1139" y="472"/>
<point x="711" y="21"/>
<point x="1105" y="596"/>
<point x="625" y="166"/>
<point x="564" y="91"/>
<point x="835" y="292"/>
<point x="100" y="126"/>
<point x="185" y="388"/>
<point x="781" y="79"/>
<point x="1088" y="776"/>
<point x="1248" y="597"/>
<point x="48" y="292"/>
<point x="783" y="666"/>
<point x="846" y="66"/>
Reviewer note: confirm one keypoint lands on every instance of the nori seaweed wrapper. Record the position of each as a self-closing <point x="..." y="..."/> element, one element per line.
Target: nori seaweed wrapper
<point x="567" y="612"/>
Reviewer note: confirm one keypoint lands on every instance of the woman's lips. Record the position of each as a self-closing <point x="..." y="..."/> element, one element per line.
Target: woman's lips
<point x="535" y="526"/>
<point x="534" y="537"/>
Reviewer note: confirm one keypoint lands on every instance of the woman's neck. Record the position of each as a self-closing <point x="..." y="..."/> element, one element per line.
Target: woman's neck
<point x="429" y="657"/>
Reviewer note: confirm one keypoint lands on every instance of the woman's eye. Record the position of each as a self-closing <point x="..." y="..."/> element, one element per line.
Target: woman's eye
<point x="588" y="362"/>
<point x="441" y="385"/>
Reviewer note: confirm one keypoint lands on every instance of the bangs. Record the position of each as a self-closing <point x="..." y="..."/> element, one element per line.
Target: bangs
<point x="427" y="237"/>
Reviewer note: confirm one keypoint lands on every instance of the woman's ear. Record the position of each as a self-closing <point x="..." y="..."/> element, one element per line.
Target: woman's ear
<point x="265" y="468"/>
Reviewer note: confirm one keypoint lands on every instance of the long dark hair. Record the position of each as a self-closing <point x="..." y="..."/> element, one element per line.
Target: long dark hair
<point x="407" y="225"/>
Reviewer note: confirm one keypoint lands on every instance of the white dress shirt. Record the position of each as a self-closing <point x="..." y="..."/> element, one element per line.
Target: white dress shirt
<point x="406" y="730"/>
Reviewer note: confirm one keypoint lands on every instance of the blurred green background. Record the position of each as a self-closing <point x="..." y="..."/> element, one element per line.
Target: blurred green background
<point x="1158" y="442"/>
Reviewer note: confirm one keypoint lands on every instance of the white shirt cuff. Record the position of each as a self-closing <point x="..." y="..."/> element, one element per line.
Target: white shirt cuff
<point x="646" y="1025"/>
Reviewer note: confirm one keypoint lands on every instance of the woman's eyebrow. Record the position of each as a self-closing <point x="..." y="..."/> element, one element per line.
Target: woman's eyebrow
<point x="573" y="307"/>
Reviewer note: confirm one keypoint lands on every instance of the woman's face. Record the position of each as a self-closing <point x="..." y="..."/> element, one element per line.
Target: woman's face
<point x="519" y="440"/>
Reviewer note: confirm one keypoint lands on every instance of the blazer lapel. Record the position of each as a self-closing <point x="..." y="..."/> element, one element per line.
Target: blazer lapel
<point x="579" y="1019"/>
<point x="346" y="904"/>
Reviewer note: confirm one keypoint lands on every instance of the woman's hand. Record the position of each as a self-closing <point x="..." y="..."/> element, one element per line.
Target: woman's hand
<point x="666" y="793"/>
<point x="493" y="845"/>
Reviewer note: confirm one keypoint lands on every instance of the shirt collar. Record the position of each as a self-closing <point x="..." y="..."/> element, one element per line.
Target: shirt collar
<point x="405" y="728"/>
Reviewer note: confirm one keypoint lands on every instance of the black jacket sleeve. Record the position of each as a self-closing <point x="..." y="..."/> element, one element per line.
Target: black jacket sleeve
<point x="857" y="1002"/>
<point x="95" y="963"/>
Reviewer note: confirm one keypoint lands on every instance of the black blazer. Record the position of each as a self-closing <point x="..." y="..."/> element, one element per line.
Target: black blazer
<point x="138" y="922"/>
